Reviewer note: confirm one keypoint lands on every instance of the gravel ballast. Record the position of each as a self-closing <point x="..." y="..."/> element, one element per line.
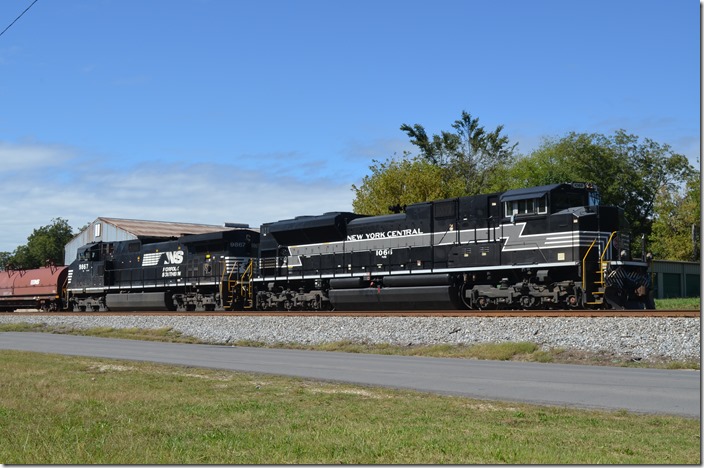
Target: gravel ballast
<point x="629" y="337"/>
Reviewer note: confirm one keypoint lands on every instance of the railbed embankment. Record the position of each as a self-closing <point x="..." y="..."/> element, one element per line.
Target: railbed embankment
<point x="672" y="338"/>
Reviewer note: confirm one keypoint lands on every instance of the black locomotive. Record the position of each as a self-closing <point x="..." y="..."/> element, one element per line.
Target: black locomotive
<point x="553" y="246"/>
<point x="194" y="273"/>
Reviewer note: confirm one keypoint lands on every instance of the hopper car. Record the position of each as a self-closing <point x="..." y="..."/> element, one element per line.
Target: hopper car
<point x="39" y="288"/>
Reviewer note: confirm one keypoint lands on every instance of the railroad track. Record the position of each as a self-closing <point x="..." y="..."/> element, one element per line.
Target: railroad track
<point x="400" y="313"/>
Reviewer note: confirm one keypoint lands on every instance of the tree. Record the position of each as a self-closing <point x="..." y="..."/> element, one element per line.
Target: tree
<point x="629" y="173"/>
<point x="45" y="245"/>
<point x="678" y="219"/>
<point x="398" y="183"/>
<point x="466" y="161"/>
<point x="656" y="168"/>
<point x="470" y="153"/>
<point x="4" y="260"/>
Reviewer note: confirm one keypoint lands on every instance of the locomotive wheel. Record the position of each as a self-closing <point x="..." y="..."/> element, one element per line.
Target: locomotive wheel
<point x="483" y="302"/>
<point x="527" y="302"/>
<point x="466" y="302"/>
<point x="315" y="304"/>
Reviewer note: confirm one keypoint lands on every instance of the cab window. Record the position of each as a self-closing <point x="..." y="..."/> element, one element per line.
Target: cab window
<point x="526" y="207"/>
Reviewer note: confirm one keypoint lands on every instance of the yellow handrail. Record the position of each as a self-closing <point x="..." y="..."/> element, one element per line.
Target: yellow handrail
<point x="602" y="270"/>
<point x="241" y="282"/>
<point x="606" y="247"/>
<point x="601" y="259"/>
<point x="584" y="266"/>
<point x="246" y="278"/>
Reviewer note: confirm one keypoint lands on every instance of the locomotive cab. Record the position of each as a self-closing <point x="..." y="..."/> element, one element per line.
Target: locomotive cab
<point x="578" y="231"/>
<point x="88" y="275"/>
<point x="92" y="263"/>
<point x="549" y="200"/>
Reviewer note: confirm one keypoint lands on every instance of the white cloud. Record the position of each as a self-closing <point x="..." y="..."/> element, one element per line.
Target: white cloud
<point x="32" y="156"/>
<point x="199" y="193"/>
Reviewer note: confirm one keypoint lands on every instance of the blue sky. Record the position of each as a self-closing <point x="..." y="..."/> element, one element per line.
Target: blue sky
<point x="209" y="111"/>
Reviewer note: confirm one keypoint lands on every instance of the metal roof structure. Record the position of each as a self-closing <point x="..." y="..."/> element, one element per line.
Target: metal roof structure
<point x="118" y="229"/>
<point x="140" y="228"/>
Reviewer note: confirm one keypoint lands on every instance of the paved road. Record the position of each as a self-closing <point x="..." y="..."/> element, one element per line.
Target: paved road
<point x="638" y="390"/>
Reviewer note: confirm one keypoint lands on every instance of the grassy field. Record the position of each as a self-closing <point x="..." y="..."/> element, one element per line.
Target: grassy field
<point x="687" y="303"/>
<point x="70" y="410"/>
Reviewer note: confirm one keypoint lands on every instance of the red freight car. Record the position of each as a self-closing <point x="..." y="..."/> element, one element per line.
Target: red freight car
<point x="41" y="288"/>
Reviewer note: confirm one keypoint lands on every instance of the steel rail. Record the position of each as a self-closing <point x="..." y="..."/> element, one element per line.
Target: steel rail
<point x="395" y="313"/>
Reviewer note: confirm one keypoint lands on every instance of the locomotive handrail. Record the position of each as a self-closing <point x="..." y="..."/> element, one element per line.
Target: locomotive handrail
<point x="245" y="292"/>
<point x="606" y="247"/>
<point x="584" y="265"/>
<point x="601" y="260"/>
<point x="65" y="294"/>
<point x="229" y="283"/>
<point x="222" y="280"/>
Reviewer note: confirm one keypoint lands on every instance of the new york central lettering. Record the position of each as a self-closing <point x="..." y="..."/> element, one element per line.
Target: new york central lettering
<point x="384" y="234"/>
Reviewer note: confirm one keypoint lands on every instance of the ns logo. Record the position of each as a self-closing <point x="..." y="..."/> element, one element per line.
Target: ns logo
<point x="170" y="258"/>
<point x="174" y="258"/>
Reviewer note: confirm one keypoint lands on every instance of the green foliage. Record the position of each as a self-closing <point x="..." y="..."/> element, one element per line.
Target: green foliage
<point x="400" y="182"/>
<point x="574" y="157"/>
<point x="676" y="228"/>
<point x="44" y="246"/>
<point x="654" y="167"/>
<point x="5" y="259"/>
<point x="639" y="175"/>
<point x="470" y="154"/>
<point x="629" y="172"/>
<point x="465" y="161"/>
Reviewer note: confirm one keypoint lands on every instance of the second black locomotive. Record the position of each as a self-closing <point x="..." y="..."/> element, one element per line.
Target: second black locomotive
<point x="552" y="246"/>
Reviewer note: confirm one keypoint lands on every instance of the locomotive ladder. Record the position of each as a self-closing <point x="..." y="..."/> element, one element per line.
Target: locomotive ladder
<point x="239" y="287"/>
<point x="64" y="301"/>
<point x="600" y="282"/>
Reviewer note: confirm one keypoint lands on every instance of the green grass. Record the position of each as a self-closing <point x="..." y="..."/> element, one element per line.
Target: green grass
<point x="166" y="334"/>
<point x="71" y="410"/>
<point x="682" y="303"/>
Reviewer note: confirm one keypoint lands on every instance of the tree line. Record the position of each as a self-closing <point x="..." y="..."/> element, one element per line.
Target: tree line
<point x="658" y="189"/>
<point x="45" y="246"/>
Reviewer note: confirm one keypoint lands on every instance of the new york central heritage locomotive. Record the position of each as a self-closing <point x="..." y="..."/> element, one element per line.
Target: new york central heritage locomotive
<point x="553" y="246"/>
